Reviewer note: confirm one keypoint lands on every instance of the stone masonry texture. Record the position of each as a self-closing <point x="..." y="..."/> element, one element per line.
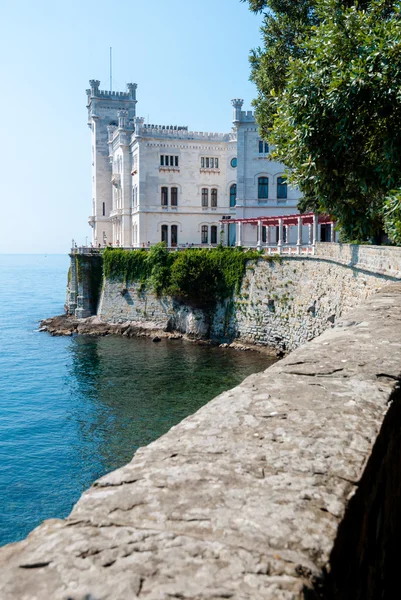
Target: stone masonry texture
<point x="286" y="487"/>
<point x="280" y="304"/>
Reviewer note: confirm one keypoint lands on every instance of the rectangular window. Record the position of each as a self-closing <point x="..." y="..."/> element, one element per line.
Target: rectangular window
<point x="213" y="199"/>
<point x="164" y="237"/>
<point x="207" y="163"/>
<point x="213" y="234"/>
<point x="162" y="160"/>
<point x="171" y="161"/>
<point x="176" y="161"/>
<point x="202" y="162"/>
<point x="260" y="147"/>
<point x="104" y="209"/>
<point x="266" y="148"/>
<point x="174" y="196"/>
<point x="216" y="163"/>
<point x="281" y="187"/>
<point x="204" y="234"/>
<point x="205" y="197"/>
<point x="264" y="234"/>
<point x="212" y="163"/>
<point x="164" y="196"/>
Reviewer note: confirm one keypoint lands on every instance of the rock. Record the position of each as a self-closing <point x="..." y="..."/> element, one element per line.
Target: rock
<point x="156" y="339"/>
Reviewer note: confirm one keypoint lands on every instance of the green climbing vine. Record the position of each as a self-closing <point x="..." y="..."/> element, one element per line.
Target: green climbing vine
<point x="196" y="275"/>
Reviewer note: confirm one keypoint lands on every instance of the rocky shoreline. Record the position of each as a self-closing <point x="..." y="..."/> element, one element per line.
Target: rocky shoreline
<point x="66" y="325"/>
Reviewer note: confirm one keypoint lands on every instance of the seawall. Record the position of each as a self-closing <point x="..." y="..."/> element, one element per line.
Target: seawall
<point x="286" y="487"/>
<point x="280" y="305"/>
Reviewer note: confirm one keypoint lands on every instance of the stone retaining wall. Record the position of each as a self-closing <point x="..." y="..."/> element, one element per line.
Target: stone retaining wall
<point x="280" y="304"/>
<point x="285" y="488"/>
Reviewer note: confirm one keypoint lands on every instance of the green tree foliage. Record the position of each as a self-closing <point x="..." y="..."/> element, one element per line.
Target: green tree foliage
<point x="335" y="113"/>
<point x="392" y="216"/>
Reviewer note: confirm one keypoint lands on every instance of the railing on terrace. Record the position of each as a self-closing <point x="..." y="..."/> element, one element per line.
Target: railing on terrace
<point x="286" y="249"/>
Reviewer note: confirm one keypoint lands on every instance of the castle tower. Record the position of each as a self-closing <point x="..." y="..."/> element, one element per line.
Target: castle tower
<point x="103" y="111"/>
<point x="237" y="105"/>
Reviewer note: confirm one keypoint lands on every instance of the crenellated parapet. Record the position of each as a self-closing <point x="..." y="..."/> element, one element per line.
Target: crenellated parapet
<point x="95" y="92"/>
<point x="247" y="116"/>
<point x="180" y="132"/>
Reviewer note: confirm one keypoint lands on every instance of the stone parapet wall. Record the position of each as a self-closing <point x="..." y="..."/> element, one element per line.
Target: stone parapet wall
<point x="287" y="487"/>
<point x="280" y="304"/>
<point x="286" y="304"/>
<point x="385" y="260"/>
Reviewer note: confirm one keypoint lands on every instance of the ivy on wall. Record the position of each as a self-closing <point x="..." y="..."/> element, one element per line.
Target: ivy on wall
<point x="197" y="275"/>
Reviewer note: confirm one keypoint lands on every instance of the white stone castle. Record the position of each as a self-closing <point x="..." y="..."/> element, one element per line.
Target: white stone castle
<point x="155" y="183"/>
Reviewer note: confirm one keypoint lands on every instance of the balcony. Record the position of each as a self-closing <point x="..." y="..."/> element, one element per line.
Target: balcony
<point x="170" y="169"/>
<point x="209" y="170"/>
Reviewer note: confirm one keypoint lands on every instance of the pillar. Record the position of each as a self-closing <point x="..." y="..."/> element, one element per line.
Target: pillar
<point x="280" y="233"/>
<point x="239" y="233"/>
<point x="223" y="237"/>
<point x="299" y="238"/>
<point x="314" y="230"/>
<point x="332" y="233"/>
<point x="259" y="234"/>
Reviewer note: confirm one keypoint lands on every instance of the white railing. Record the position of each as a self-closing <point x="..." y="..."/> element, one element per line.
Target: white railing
<point x="286" y="250"/>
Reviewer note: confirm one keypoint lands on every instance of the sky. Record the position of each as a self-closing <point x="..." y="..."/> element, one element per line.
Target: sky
<point x="188" y="57"/>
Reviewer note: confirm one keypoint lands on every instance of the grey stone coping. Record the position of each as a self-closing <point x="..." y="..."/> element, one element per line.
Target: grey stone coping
<point x="244" y="499"/>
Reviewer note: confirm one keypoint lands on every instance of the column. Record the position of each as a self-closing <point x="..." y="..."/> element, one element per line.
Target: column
<point x="332" y="233"/>
<point x="239" y="233"/>
<point x="314" y="230"/>
<point x="280" y="234"/>
<point x="223" y="237"/>
<point x="299" y="239"/>
<point x="259" y="234"/>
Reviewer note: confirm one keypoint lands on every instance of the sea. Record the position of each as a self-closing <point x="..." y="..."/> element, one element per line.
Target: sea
<point x="75" y="408"/>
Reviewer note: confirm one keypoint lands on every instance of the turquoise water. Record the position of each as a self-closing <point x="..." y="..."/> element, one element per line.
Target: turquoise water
<point x="72" y="409"/>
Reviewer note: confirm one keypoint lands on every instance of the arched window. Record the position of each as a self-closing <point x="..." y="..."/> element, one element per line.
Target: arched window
<point x="281" y="187"/>
<point x="164" y="196"/>
<point x="213" y="234"/>
<point x="233" y="194"/>
<point x="213" y="198"/>
<point x="174" y="196"/>
<point x="174" y="235"/>
<point x="204" y="234"/>
<point x="263" y="187"/>
<point x="165" y="234"/>
<point x="205" y="197"/>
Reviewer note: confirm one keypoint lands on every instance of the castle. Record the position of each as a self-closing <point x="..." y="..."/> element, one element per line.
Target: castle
<point x="155" y="183"/>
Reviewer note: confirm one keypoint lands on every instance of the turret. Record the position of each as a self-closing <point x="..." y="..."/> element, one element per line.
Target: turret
<point x="237" y="104"/>
<point x="94" y="83"/>
<point x="139" y="121"/>
<point x="132" y="87"/>
<point x="122" y="119"/>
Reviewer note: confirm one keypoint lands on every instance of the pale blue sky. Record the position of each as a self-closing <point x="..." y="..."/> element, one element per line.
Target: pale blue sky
<point x="189" y="58"/>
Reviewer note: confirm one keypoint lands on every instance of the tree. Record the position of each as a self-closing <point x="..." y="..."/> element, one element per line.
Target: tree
<point x="335" y="116"/>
